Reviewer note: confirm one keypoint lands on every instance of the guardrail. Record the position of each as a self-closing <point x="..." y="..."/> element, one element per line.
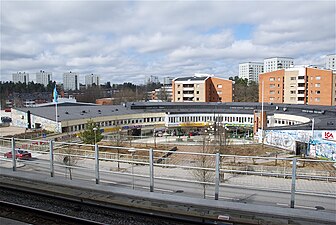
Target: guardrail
<point x="213" y="171"/>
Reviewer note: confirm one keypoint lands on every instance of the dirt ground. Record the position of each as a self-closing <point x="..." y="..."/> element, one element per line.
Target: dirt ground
<point x="239" y="150"/>
<point x="10" y="131"/>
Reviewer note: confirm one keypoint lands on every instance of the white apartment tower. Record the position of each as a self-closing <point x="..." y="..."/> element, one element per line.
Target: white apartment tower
<point x="277" y="63"/>
<point x="43" y="77"/>
<point x="70" y="81"/>
<point x="330" y="62"/>
<point x="251" y="70"/>
<point x="20" y="77"/>
<point x="92" y="79"/>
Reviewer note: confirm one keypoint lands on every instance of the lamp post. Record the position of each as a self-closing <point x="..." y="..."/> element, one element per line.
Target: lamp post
<point x="132" y="151"/>
<point x="154" y="134"/>
<point x="95" y="134"/>
<point x="118" y="143"/>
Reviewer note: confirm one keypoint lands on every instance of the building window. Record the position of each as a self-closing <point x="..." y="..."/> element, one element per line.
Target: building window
<point x="178" y="85"/>
<point x="197" y="92"/>
<point x="178" y="99"/>
<point x="293" y="78"/>
<point x="279" y="78"/>
<point x="317" y="85"/>
<point x="293" y="92"/>
<point x="317" y="92"/>
<point x="272" y="79"/>
<point x="317" y="99"/>
<point x="219" y="92"/>
<point x="272" y="85"/>
<point x="197" y="99"/>
<point x="318" y="78"/>
<point x="271" y="98"/>
<point x="197" y="85"/>
<point x="178" y="92"/>
<point x="272" y="92"/>
<point x="219" y="86"/>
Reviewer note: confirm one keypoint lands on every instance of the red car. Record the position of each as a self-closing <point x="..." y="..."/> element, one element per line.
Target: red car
<point x="19" y="154"/>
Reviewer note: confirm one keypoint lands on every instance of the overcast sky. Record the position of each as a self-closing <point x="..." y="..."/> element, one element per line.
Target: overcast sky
<point x="129" y="41"/>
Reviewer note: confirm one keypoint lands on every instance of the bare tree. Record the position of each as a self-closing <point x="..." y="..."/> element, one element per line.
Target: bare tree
<point x="68" y="156"/>
<point x="205" y="164"/>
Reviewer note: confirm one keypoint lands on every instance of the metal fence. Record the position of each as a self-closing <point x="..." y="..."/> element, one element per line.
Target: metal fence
<point x="205" y="175"/>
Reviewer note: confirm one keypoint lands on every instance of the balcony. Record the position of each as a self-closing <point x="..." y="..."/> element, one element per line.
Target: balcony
<point x="188" y="88"/>
<point x="301" y="88"/>
<point x="188" y="95"/>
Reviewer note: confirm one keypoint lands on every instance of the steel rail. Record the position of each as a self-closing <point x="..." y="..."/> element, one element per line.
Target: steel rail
<point x="45" y="214"/>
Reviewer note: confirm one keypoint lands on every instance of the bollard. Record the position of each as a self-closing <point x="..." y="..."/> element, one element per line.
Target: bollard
<point x="292" y="201"/>
<point x="217" y="176"/>
<point x="97" y="163"/>
<point x="51" y="154"/>
<point x="151" y="170"/>
<point x="13" y="154"/>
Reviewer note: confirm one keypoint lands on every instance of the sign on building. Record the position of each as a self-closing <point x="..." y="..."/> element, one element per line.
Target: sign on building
<point x="329" y="135"/>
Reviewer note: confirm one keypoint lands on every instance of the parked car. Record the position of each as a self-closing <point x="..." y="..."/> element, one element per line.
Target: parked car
<point x="19" y="154"/>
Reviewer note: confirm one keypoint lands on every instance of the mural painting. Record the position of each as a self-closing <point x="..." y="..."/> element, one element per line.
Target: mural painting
<point x="317" y="148"/>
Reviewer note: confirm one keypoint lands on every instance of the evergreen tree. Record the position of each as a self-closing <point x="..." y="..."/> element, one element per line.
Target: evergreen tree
<point x="88" y="136"/>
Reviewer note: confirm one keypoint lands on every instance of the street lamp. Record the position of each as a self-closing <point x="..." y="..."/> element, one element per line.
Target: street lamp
<point x="118" y="143"/>
<point x="154" y="134"/>
<point x="132" y="151"/>
<point x="95" y="134"/>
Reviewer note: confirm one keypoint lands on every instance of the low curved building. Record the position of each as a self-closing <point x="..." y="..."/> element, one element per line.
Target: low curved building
<point x="286" y="126"/>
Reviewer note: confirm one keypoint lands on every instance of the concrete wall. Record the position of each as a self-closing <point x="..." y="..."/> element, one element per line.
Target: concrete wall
<point x="286" y="139"/>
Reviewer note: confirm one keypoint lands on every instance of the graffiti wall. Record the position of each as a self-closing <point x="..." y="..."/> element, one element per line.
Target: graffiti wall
<point x="322" y="149"/>
<point x="318" y="147"/>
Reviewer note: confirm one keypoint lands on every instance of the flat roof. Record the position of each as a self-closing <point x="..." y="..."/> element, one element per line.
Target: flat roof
<point x="193" y="78"/>
<point x="325" y="116"/>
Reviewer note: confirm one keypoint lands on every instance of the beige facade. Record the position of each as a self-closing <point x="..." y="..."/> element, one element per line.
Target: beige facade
<point x="202" y="89"/>
<point x="294" y="84"/>
<point x="189" y="91"/>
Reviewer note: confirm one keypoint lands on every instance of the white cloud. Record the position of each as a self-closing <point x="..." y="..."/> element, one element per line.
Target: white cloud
<point x="127" y="41"/>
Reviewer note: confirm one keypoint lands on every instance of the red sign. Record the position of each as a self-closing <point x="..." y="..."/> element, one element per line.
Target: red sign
<point x="329" y="135"/>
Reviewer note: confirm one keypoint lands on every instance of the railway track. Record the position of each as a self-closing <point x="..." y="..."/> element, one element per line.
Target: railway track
<point x="39" y="216"/>
<point x="39" y="208"/>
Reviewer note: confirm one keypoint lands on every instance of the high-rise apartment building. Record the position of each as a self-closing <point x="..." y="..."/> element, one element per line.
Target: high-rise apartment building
<point x="202" y="88"/>
<point x="277" y="63"/>
<point x="70" y="81"/>
<point x="168" y="80"/>
<point x="330" y="62"/>
<point x="20" y="77"/>
<point x="299" y="85"/>
<point x="43" y="77"/>
<point x="92" y="79"/>
<point x="251" y="70"/>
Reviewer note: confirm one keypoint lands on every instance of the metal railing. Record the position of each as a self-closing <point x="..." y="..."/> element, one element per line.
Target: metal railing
<point x="213" y="171"/>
